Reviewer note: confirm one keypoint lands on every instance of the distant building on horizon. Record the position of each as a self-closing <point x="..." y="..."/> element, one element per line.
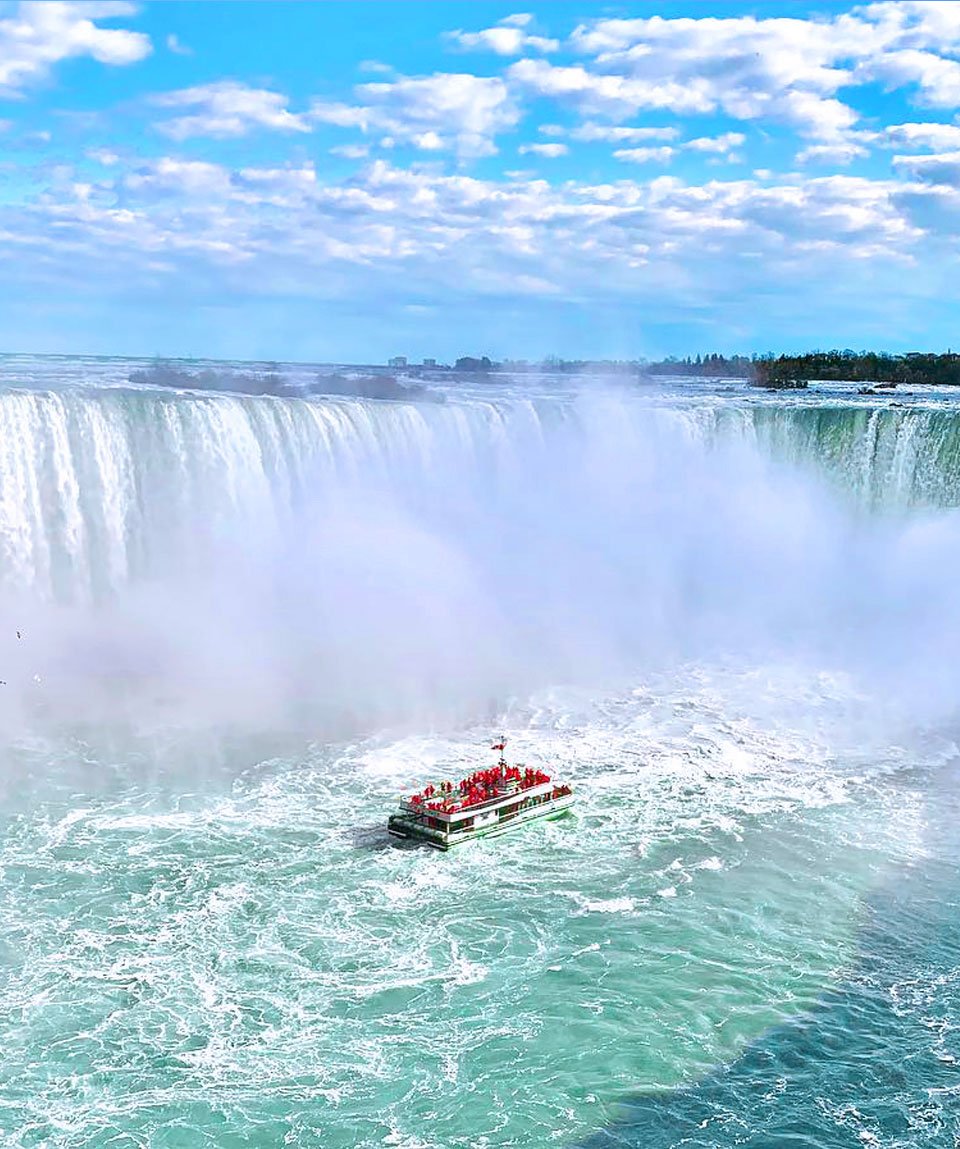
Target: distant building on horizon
<point x="429" y="362"/>
<point x="397" y="361"/>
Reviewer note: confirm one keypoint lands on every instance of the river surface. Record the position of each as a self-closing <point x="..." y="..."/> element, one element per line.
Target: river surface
<point x="234" y="629"/>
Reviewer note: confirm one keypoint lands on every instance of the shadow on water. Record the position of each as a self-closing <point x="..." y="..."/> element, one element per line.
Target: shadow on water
<point x="372" y="837"/>
<point x="375" y="838"/>
<point x="876" y="1062"/>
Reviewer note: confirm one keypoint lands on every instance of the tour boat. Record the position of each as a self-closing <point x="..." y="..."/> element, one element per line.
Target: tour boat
<point x="485" y="803"/>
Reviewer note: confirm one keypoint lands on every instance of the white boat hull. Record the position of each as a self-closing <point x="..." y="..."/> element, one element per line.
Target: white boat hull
<point x="406" y="826"/>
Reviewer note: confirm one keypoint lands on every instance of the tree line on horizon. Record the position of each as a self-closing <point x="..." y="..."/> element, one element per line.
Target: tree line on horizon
<point x="710" y="366"/>
<point x="866" y="367"/>
<point x="770" y="370"/>
<point x="776" y="372"/>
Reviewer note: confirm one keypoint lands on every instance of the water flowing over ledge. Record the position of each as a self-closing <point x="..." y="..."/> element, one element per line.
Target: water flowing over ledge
<point x="155" y="543"/>
<point x="100" y="486"/>
<point x="729" y="620"/>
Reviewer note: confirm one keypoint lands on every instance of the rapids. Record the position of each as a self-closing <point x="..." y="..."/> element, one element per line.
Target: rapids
<point x="246" y="623"/>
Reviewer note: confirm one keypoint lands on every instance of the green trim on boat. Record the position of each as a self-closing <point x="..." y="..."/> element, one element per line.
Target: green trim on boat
<point x="409" y="826"/>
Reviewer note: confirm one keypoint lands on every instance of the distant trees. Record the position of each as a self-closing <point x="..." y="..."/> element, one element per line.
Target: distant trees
<point x="867" y="367"/>
<point x="781" y="374"/>
<point x="776" y="372"/>
<point x="713" y="366"/>
<point x="469" y="363"/>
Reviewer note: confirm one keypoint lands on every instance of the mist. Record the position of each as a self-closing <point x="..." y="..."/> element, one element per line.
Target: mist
<point x="337" y="567"/>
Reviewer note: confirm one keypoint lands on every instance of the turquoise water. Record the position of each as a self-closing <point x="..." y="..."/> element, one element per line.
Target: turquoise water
<point x="874" y="1062"/>
<point x="252" y="961"/>
<point x="746" y="934"/>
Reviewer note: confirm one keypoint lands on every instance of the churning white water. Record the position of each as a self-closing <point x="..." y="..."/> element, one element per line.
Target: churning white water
<point x="233" y="628"/>
<point x="188" y="554"/>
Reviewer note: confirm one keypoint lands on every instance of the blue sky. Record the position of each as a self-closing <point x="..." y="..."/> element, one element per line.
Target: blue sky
<point x="346" y="181"/>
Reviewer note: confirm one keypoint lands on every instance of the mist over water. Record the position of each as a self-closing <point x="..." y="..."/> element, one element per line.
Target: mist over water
<point x="186" y="558"/>
<point x="247" y="623"/>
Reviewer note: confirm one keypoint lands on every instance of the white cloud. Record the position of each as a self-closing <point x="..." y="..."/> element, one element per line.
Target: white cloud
<point x="662" y="155"/>
<point x="937" y="77"/>
<point x="427" y="141"/>
<point x="617" y="135"/>
<point x="842" y="152"/>
<point x="722" y="145"/>
<point x="855" y="145"/>
<point x="936" y="137"/>
<point x="549" y="151"/>
<point x="815" y="116"/>
<point x="104" y="157"/>
<point x="789" y="70"/>
<point x="612" y="95"/>
<point x="643" y="231"/>
<point x="474" y="231"/>
<point x="277" y="232"/>
<point x="341" y="115"/>
<point x="175" y="46"/>
<point x="227" y="109"/>
<point x="716" y="145"/>
<point x="376" y="68"/>
<point x="914" y="23"/>
<point x="351" y="151"/>
<point x="507" y="37"/>
<point x="456" y="111"/>
<point x="780" y="68"/>
<point x="39" y="35"/>
<point x="371" y="236"/>
<point x="938" y="169"/>
<point x="190" y="177"/>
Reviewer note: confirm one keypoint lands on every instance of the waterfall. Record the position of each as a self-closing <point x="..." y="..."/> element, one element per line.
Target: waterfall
<point x="245" y="550"/>
<point x="99" y="487"/>
<point x="889" y="458"/>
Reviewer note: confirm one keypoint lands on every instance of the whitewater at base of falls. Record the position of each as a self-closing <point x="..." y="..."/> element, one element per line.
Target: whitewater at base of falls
<point x="249" y="960"/>
<point x="728" y="619"/>
<point x="188" y="558"/>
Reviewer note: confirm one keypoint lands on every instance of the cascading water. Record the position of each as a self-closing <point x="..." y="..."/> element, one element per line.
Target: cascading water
<point x="889" y="458"/>
<point x="103" y="487"/>
<point x="350" y="553"/>
<point x="245" y="623"/>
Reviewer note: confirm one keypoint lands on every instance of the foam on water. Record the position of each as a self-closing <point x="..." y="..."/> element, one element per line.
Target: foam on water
<point x="205" y="936"/>
<point x="255" y="956"/>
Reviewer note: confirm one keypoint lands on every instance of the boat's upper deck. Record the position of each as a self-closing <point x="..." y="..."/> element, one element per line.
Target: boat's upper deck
<point x="483" y="792"/>
<point x="458" y="813"/>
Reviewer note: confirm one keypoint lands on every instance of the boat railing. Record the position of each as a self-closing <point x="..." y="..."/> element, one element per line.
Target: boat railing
<point x="502" y="798"/>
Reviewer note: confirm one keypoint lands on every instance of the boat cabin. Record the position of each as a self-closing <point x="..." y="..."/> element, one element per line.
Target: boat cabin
<point x="486" y="802"/>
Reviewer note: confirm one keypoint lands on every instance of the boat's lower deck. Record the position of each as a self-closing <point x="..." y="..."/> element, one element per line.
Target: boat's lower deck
<point x="410" y="826"/>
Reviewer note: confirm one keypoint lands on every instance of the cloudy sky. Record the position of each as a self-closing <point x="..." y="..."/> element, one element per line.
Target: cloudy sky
<point x="345" y="181"/>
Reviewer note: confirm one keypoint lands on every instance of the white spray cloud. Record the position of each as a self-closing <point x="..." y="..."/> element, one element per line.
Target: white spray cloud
<point x="334" y="567"/>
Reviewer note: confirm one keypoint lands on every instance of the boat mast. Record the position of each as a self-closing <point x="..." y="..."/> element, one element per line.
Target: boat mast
<point x="501" y="746"/>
